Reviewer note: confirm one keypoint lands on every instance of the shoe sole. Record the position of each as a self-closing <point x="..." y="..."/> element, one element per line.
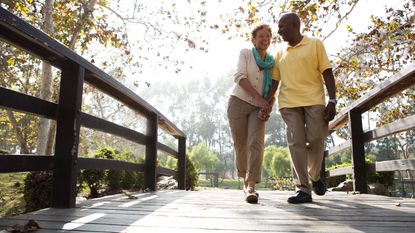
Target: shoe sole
<point x="299" y="202"/>
<point x="253" y="199"/>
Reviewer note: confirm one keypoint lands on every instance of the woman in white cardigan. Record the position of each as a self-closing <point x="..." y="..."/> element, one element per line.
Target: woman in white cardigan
<point x="249" y="107"/>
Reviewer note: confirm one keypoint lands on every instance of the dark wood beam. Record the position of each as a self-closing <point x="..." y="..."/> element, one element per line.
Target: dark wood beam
<point x="20" y="102"/>
<point x="24" y="163"/>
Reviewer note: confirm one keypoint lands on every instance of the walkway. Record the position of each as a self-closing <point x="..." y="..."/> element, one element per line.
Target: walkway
<point x="225" y="211"/>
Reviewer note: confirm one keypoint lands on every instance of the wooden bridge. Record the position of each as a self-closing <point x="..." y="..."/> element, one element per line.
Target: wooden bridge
<point x="226" y="211"/>
<point x="185" y="211"/>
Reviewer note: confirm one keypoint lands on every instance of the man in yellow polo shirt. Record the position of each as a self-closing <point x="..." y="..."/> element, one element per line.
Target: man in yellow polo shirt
<point x="302" y="69"/>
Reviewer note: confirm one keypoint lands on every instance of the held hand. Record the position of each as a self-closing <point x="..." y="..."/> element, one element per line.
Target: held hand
<point x="263" y="114"/>
<point x="263" y="103"/>
<point x="330" y="112"/>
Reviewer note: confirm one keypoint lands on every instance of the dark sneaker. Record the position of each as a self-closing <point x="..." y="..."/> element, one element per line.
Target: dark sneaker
<point x="300" y="197"/>
<point x="251" y="196"/>
<point x="319" y="187"/>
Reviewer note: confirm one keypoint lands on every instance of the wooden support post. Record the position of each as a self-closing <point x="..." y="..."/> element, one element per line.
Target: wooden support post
<point x="182" y="163"/>
<point x="151" y="153"/>
<point x="67" y="137"/>
<point x="358" y="151"/>
<point x="323" y="167"/>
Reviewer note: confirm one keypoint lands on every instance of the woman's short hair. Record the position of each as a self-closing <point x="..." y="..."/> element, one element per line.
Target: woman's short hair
<point x="260" y="27"/>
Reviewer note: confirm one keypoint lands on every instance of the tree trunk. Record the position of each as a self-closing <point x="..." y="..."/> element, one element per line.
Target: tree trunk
<point x="48" y="139"/>
<point x="22" y="143"/>
<point x="46" y="83"/>
<point x="51" y="138"/>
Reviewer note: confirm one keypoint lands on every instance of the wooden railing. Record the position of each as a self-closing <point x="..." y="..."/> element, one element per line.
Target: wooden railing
<point x="75" y="70"/>
<point x="352" y="115"/>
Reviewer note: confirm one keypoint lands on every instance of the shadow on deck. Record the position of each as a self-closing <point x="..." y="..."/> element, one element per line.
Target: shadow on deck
<point x="225" y="211"/>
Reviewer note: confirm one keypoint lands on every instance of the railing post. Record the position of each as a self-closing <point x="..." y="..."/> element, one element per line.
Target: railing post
<point x="182" y="163"/>
<point x="67" y="137"/>
<point x="358" y="151"/>
<point x="151" y="153"/>
<point x="323" y="167"/>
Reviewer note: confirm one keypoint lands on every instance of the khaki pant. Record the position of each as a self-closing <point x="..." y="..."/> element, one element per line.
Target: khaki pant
<point x="306" y="132"/>
<point x="248" y="138"/>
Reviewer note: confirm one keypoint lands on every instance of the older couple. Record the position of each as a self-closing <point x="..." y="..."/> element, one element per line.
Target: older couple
<point x="300" y="69"/>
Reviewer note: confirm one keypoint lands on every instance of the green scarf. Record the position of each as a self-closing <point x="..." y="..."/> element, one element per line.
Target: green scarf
<point x="266" y="66"/>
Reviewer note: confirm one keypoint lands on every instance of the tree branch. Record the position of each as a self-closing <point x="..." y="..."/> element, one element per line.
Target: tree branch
<point x="341" y="19"/>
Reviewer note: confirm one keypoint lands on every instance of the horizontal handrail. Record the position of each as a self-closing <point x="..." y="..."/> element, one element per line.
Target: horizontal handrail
<point x="17" y="101"/>
<point x="383" y="166"/>
<point x="399" y="81"/>
<point x="18" y="32"/>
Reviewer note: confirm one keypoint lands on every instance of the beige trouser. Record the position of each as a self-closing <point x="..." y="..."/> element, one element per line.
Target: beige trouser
<point x="248" y="138"/>
<point x="306" y="132"/>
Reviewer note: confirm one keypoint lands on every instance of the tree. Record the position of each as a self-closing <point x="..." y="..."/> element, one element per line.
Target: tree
<point x="203" y="159"/>
<point x="276" y="162"/>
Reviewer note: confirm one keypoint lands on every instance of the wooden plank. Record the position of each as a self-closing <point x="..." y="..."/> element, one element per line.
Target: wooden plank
<point x="340" y="148"/>
<point x="94" y="163"/>
<point x="172" y="152"/>
<point x="151" y="153"/>
<point x="181" y="164"/>
<point x="339" y="171"/>
<point x="389" y="129"/>
<point x="166" y="171"/>
<point x="67" y="137"/>
<point x="17" y="101"/>
<point x="394" y="165"/>
<point x="358" y="151"/>
<point x="102" y="125"/>
<point x="225" y="211"/>
<point x="22" y="163"/>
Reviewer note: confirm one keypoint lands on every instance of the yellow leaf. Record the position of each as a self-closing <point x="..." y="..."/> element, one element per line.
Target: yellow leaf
<point x="10" y="62"/>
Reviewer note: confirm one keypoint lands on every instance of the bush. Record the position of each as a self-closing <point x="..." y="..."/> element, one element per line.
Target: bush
<point x="38" y="190"/>
<point x="192" y="175"/>
<point x="132" y="180"/>
<point x="96" y="179"/>
<point x="282" y="183"/>
<point x="111" y="180"/>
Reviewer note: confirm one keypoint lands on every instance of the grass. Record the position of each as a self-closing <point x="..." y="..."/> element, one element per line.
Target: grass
<point x="11" y="193"/>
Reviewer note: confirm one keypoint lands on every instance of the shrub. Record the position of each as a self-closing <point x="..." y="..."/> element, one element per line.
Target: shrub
<point x="38" y="190"/>
<point x="192" y="175"/>
<point x="96" y="179"/>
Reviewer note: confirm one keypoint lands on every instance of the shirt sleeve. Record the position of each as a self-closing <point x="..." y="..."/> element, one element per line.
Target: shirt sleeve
<point x="323" y="60"/>
<point x="241" y="68"/>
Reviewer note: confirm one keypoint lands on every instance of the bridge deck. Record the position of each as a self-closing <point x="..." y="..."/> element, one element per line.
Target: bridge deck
<point x="225" y="211"/>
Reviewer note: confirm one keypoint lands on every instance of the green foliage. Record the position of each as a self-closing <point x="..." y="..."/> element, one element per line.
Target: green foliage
<point x="192" y="174"/>
<point x="38" y="190"/>
<point x="203" y="158"/>
<point x="11" y="194"/>
<point x="111" y="180"/>
<point x="276" y="162"/>
<point x="96" y="179"/>
<point x="282" y="183"/>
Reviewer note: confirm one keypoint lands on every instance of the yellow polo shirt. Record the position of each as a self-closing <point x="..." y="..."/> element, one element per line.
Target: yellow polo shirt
<point x="299" y="71"/>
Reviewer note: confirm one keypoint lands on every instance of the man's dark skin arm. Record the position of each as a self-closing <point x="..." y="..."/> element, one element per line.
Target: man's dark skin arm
<point x="331" y="89"/>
